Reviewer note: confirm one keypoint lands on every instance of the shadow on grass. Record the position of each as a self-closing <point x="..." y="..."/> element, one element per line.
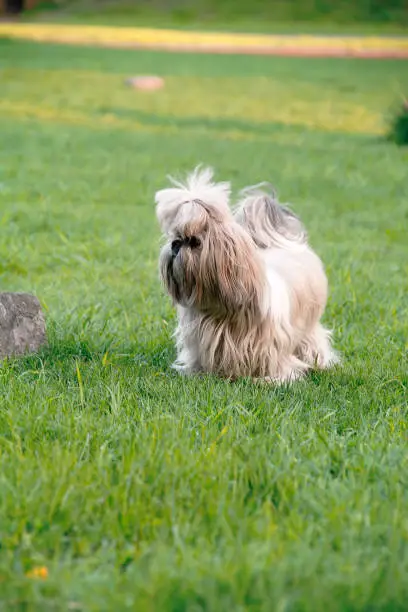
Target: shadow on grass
<point x="222" y="125"/>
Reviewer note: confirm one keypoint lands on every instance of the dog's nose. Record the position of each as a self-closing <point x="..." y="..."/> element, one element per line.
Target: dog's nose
<point x="175" y="247"/>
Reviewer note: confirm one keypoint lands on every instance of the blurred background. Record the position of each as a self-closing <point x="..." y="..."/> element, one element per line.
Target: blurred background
<point x="259" y="14"/>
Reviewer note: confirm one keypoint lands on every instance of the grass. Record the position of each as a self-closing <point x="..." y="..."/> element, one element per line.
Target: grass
<point x="261" y="16"/>
<point x="251" y="24"/>
<point x="138" y="489"/>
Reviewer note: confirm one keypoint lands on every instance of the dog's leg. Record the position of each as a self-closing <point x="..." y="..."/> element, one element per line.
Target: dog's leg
<point x="316" y="349"/>
<point x="187" y="363"/>
<point x="188" y="354"/>
<point x="290" y="370"/>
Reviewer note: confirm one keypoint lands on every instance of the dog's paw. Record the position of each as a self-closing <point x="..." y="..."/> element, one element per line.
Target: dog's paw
<point x="285" y="379"/>
<point x="186" y="370"/>
<point x="328" y="360"/>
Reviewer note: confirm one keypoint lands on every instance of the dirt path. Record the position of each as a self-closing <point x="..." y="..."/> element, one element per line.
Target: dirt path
<point x="210" y="42"/>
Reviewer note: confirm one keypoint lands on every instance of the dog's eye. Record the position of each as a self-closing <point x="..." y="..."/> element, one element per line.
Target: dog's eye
<point x="194" y="242"/>
<point x="176" y="246"/>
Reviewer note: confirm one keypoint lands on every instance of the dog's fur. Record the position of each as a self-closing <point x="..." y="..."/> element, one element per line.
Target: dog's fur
<point x="248" y="288"/>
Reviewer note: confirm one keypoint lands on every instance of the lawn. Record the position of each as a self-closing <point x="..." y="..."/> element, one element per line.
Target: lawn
<point x="349" y="16"/>
<point x="140" y="490"/>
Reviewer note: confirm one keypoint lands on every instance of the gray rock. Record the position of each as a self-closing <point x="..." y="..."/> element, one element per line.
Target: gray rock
<point x="22" y="324"/>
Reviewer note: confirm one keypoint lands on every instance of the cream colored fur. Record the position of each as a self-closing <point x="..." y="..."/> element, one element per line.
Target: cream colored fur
<point x="248" y="288"/>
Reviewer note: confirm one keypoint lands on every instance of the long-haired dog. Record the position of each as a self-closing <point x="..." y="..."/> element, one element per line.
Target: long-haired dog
<point x="249" y="290"/>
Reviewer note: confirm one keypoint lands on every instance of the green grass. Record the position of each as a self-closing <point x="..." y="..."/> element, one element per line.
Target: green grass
<point x="141" y="490"/>
<point x="327" y="16"/>
<point x="251" y="24"/>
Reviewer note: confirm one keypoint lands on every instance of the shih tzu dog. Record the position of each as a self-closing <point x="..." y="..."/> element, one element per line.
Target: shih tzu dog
<point x="249" y="290"/>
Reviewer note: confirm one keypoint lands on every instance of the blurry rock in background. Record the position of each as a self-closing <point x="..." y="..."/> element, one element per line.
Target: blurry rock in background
<point x="148" y="83"/>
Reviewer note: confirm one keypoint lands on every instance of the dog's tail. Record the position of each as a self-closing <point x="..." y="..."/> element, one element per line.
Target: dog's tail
<point x="268" y="222"/>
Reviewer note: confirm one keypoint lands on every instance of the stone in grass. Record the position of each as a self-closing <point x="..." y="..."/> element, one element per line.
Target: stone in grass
<point x="22" y="324"/>
<point x="148" y="83"/>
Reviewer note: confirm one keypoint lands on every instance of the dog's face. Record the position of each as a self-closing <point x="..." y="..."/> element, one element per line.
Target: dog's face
<point x="208" y="261"/>
<point x="181" y="256"/>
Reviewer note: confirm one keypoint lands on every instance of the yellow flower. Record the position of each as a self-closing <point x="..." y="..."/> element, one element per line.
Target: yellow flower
<point x="40" y="572"/>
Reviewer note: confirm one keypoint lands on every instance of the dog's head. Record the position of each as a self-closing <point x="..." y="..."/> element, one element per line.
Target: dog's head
<point x="208" y="261"/>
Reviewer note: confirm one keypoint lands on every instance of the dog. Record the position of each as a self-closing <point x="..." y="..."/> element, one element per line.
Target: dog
<point x="248" y="289"/>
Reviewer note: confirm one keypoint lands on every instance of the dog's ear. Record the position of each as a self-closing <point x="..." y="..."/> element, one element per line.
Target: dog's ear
<point x="168" y="203"/>
<point x="230" y="269"/>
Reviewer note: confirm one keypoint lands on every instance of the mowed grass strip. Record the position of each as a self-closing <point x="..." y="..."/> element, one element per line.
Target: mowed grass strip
<point x="138" y="489"/>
